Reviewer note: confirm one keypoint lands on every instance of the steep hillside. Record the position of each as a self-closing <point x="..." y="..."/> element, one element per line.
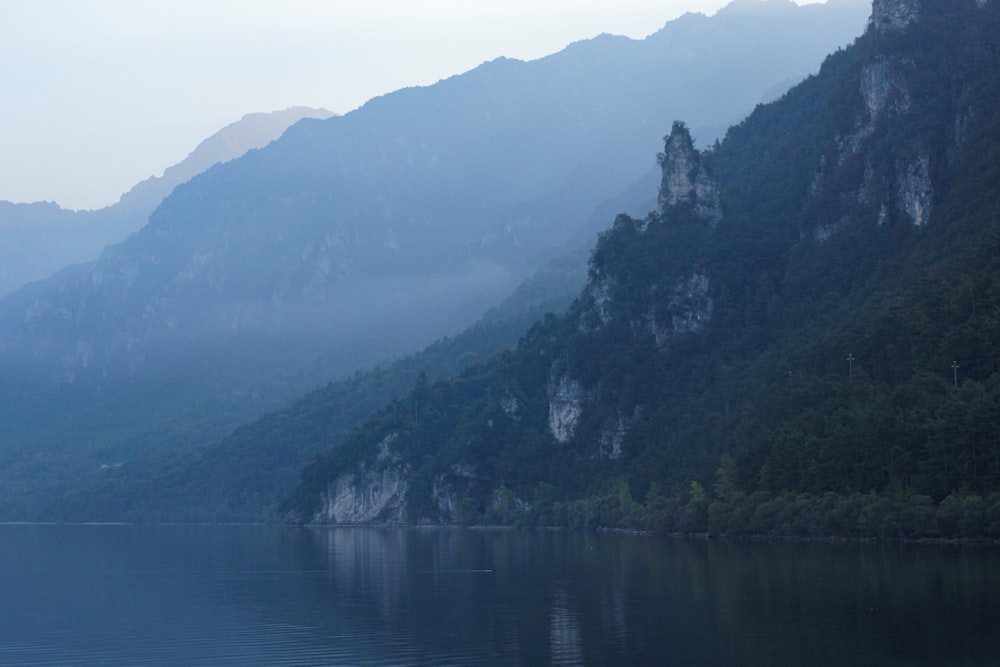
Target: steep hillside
<point x="245" y="475"/>
<point x="358" y="238"/>
<point x="36" y="240"/>
<point x="798" y="340"/>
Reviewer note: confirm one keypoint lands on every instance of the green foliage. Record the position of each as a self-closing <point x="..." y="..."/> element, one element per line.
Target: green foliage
<point x="820" y="398"/>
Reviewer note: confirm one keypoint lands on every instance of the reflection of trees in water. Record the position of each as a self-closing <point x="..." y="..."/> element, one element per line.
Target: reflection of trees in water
<point x="438" y="596"/>
<point x="890" y="604"/>
<point x="499" y="595"/>
<point x="563" y="597"/>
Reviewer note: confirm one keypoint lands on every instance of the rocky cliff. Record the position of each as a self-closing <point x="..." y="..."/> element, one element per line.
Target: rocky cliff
<point x="709" y="341"/>
<point x="686" y="179"/>
<point x="354" y="239"/>
<point x="370" y="495"/>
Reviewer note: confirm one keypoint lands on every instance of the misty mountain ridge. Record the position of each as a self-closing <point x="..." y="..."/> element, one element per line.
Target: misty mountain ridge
<point x="253" y="130"/>
<point x="40" y="238"/>
<point x="354" y="239"/>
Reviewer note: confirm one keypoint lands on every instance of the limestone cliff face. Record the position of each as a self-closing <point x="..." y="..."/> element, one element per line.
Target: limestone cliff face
<point x="915" y="191"/>
<point x="566" y="399"/>
<point x="690" y="305"/>
<point x="884" y="88"/>
<point x="450" y="488"/>
<point x="894" y="15"/>
<point x="904" y="191"/>
<point x="367" y="497"/>
<point x="688" y="308"/>
<point x="369" y="494"/>
<point x="686" y="180"/>
<point x="885" y="91"/>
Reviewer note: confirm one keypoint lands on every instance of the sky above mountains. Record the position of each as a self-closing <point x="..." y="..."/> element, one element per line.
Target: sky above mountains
<point x="101" y="94"/>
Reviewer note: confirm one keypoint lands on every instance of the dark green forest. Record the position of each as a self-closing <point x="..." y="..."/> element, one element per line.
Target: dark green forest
<point x="821" y="362"/>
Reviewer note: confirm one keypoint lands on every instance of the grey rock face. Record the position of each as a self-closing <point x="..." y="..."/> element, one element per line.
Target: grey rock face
<point x="369" y="495"/>
<point x="883" y="87"/>
<point x="686" y="180"/>
<point x="886" y="92"/>
<point x="566" y="398"/>
<point x="450" y="488"/>
<point x="690" y="305"/>
<point x="894" y="15"/>
<point x="915" y="191"/>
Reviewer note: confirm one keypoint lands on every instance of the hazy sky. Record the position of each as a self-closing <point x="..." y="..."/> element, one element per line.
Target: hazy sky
<point x="100" y="94"/>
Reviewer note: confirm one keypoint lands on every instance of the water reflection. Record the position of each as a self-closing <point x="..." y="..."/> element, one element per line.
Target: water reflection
<point x="326" y="596"/>
<point x="570" y="598"/>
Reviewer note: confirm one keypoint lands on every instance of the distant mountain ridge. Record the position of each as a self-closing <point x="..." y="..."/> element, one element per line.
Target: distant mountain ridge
<point x="253" y="130"/>
<point x="355" y="239"/>
<point x="38" y="239"/>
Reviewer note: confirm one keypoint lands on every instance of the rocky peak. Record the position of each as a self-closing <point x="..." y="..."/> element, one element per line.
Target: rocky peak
<point x="893" y="15"/>
<point x="686" y="179"/>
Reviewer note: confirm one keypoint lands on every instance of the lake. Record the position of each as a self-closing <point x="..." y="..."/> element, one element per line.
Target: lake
<point x="283" y="595"/>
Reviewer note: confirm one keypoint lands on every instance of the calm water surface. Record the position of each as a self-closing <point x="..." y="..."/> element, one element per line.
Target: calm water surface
<point x="273" y="595"/>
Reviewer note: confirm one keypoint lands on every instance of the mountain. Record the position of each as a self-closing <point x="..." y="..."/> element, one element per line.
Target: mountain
<point x="253" y="130"/>
<point x="38" y="239"/>
<point x="356" y="239"/>
<point x="798" y="340"/>
<point x="244" y="475"/>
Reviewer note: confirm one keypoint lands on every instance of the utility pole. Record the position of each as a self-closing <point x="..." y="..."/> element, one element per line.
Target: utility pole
<point x="954" y="372"/>
<point x="850" y="365"/>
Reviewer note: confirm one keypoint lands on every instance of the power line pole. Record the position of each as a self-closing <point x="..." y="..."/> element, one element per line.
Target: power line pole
<point x="954" y="372"/>
<point x="850" y="365"/>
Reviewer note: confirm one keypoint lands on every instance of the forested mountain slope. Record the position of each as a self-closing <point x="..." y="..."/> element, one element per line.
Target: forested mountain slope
<point x="799" y="340"/>
<point x="356" y="239"/>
